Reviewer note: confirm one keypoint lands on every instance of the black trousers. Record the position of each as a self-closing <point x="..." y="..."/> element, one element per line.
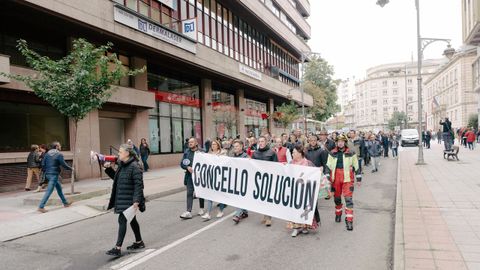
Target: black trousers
<point x="122" y="229"/>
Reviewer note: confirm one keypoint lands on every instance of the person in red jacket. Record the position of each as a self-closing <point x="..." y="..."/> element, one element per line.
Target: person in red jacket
<point x="283" y="153"/>
<point x="470" y="138"/>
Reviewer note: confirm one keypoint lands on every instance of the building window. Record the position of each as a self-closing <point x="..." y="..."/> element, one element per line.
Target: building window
<point x="395" y="91"/>
<point x="224" y="114"/>
<point x="177" y="115"/>
<point x="409" y="81"/>
<point x="254" y="121"/>
<point x="31" y="124"/>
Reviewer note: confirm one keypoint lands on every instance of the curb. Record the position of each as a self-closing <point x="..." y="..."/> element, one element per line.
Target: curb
<point x="71" y="198"/>
<point x="103" y="211"/>
<point x="399" y="243"/>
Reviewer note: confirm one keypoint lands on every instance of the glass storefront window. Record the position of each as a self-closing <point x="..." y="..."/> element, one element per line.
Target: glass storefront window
<point x="165" y="135"/>
<point x="154" y="135"/>
<point x="253" y="120"/>
<point x="27" y="124"/>
<point x="224" y="114"/>
<point x="176" y="110"/>
<point x="177" y="135"/>
<point x="164" y="108"/>
<point x="179" y="113"/>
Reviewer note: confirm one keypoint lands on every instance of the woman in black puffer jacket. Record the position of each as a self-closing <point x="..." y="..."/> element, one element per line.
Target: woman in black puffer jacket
<point x="127" y="190"/>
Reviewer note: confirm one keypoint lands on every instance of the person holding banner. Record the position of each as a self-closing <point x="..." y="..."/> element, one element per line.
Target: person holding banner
<point x="299" y="159"/>
<point x="265" y="153"/>
<point x="343" y="166"/>
<point x="318" y="156"/>
<point x="127" y="190"/>
<point x="186" y="164"/>
<point x="215" y="150"/>
<point x="238" y="152"/>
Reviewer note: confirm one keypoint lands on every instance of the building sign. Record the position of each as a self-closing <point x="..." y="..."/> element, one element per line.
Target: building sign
<point x="176" y="98"/>
<point x="250" y="72"/>
<point x="129" y="19"/>
<point x="189" y="28"/>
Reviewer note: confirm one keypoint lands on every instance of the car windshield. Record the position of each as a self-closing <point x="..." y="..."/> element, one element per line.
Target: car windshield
<point x="409" y="132"/>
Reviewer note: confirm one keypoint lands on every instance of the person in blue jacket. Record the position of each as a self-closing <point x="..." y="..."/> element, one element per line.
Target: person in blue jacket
<point x="51" y="164"/>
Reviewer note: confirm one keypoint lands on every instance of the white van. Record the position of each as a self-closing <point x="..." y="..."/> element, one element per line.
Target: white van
<point x="409" y="136"/>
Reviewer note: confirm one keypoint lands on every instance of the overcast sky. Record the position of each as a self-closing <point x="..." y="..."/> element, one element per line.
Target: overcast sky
<point x="354" y="35"/>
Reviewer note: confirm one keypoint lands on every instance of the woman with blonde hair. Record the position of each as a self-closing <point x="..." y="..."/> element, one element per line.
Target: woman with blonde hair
<point x="215" y="149"/>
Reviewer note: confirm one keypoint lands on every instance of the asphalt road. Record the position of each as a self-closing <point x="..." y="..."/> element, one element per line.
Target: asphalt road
<point x="191" y="244"/>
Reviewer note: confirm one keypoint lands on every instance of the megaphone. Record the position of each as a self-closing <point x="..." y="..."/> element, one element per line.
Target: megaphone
<point x="94" y="156"/>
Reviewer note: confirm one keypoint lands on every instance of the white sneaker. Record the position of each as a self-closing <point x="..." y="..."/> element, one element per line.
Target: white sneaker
<point x="206" y="216"/>
<point x="294" y="232"/>
<point x="201" y="212"/>
<point x="220" y="214"/>
<point x="186" y="215"/>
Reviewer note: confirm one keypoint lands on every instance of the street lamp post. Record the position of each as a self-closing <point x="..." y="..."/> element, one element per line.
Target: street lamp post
<point x="422" y="43"/>
<point x="304" y="57"/>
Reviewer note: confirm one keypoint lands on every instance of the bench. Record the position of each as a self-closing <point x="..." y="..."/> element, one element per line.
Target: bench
<point x="451" y="153"/>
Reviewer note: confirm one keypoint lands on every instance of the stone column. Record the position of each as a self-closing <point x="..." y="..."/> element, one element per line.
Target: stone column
<point x="137" y="128"/>
<point x="207" y="113"/>
<point x="242" y="107"/>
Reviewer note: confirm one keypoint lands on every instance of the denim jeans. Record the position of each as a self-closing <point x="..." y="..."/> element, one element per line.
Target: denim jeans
<point x="53" y="183"/>
<point x="221" y="206"/>
<point x="190" y="192"/>
<point x="145" y="164"/>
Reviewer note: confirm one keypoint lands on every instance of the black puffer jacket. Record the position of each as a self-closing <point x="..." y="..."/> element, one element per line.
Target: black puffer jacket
<point x="266" y="154"/>
<point x="127" y="186"/>
<point x="317" y="156"/>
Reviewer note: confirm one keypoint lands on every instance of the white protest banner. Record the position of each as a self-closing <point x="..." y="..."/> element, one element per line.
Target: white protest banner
<point x="288" y="192"/>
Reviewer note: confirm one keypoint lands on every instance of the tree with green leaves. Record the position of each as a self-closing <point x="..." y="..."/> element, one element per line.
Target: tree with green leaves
<point x="320" y="84"/>
<point x="286" y="114"/>
<point x="75" y="84"/>
<point x="397" y="119"/>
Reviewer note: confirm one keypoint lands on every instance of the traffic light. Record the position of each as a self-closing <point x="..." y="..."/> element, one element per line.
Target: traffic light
<point x="382" y="2"/>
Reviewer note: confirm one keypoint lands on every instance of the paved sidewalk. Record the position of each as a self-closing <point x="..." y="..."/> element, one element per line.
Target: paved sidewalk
<point x="438" y="211"/>
<point x="18" y="220"/>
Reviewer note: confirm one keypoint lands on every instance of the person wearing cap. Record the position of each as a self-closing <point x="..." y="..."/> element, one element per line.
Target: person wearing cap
<point x="342" y="165"/>
<point x="325" y="142"/>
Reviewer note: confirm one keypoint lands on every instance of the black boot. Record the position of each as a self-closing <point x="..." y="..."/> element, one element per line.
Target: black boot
<point x="338" y="218"/>
<point x="349" y="225"/>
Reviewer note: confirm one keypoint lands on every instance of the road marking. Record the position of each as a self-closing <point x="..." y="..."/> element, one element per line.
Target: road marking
<point x="145" y="256"/>
<point x="132" y="259"/>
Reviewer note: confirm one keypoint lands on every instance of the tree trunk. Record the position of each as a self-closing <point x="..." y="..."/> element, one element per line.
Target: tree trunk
<point x="72" y="184"/>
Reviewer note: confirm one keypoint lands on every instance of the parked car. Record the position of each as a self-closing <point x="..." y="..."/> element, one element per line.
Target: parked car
<point x="409" y="136"/>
